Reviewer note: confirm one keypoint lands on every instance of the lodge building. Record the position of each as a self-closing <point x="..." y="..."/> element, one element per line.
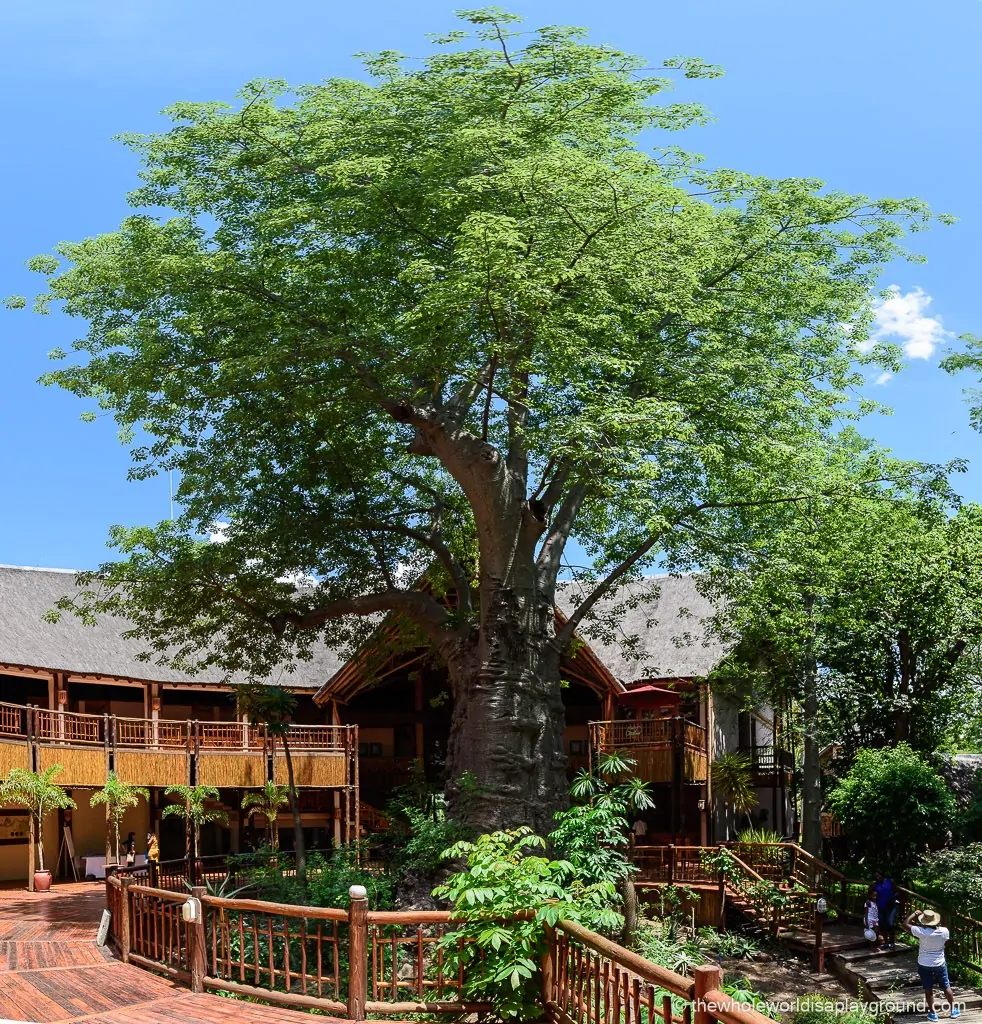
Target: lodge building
<point x="82" y="697"/>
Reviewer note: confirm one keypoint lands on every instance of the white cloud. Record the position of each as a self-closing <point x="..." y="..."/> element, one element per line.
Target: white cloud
<point x="884" y="377"/>
<point x="901" y="318"/>
<point x="219" y="533"/>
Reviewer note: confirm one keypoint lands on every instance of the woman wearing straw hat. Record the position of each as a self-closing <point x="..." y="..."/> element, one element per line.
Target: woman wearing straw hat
<point x="931" y="937"/>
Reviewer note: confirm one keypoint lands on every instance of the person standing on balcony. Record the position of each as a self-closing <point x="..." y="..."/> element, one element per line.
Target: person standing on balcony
<point x="640" y="830"/>
<point x="886" y="904"/>
<point x="931" y="965"/>
<point x="153" y="856"/>
<point x="130" y="847"/>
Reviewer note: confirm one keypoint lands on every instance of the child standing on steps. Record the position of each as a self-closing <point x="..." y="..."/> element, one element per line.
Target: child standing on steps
<point x="871" y="918"/>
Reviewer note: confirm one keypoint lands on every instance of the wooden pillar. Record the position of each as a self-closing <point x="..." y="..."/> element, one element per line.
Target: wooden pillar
<point x="357" y="953"/>
<point x="549" y="969"/>
<point x="155" y="703"/>
<point x="336" y="801"/>
<point x="707" y="979"/>
<point x="123" y="924"/>
<point x="198" y="943"/>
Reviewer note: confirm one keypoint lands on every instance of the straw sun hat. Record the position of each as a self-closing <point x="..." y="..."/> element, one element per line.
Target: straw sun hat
<point x="929" y="919"/>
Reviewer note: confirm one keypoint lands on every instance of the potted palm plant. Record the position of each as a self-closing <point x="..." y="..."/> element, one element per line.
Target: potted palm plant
<point x="39" y="794"/>
<point x="118" y="797"/>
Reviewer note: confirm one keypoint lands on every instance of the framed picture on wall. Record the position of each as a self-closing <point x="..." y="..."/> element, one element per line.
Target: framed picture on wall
<point x="577" y="748"/>
<point x="14" y="828"/>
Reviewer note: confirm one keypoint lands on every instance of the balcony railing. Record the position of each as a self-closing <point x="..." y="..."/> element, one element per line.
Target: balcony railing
<point x="75" y="729"/>
<point x="663" y="749"/>
<point x="768" y="760"/>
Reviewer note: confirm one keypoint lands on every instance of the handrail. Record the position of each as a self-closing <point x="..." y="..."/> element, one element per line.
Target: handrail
<point x="677" y="984"/>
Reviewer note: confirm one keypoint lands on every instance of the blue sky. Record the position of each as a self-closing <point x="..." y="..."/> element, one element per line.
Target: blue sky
<point x="872" y="96"/>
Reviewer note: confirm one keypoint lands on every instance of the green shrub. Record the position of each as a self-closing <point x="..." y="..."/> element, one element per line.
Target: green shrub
<point x="954" y="878"/>
<point x="506" y="877"/>
<point x="891" y="803"/>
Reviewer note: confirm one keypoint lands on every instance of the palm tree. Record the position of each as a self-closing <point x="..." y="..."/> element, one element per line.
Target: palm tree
<point x="195" y="814"/>
<point x="118" y="797"/>
<point x="39" y="793"/>
<point x="733" y="782"/>
<point x="272" y="707"/>
<point x="267" y="802"/>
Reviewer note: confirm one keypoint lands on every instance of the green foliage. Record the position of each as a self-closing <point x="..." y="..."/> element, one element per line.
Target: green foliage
<point x="593" y="834"/>
<point x="267" y="801"/>
<point x="953" y="878"/>
<point x="327" y="883"/>
<point x="195" y="812"/>
<point x="733" y="781"/>
<point x="506" y="877"/>
<point x="364" y="316"/>
<point x="39" y="794"/>
<point x="117" y="797"/>
<point x="892" y="804"/>
<point x="820" y="1009"/>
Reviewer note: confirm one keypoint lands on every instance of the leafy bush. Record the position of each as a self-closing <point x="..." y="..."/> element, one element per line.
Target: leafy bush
<point x="954" y="878"/>
<point x="505" y="877"/>
<point x="892" y="803"/>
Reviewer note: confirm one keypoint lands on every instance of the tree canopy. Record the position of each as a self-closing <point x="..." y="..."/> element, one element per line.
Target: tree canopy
<point x="438" y="321"/>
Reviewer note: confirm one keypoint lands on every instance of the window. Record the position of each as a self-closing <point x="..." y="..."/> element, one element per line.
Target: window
<point x="369" y="749"/>
<point x="577" y="748"/>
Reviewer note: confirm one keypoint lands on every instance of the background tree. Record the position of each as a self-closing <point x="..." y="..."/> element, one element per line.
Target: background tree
<point x="117" y="797"/>
<point x="39" y="794"/>
<point x="867" y="618"/>
<point x="194" y="810"/>
<point x="893" y="805"/>
<point x="267" y="802"/>
<point x="439" y="322"/>
<point x="272" y="707"/>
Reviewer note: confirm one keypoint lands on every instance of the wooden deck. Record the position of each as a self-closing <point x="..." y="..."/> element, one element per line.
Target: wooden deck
<point x="51" y="970"/>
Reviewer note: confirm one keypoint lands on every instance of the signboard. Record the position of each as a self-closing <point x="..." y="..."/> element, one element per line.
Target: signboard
<point x="103" y="933"/>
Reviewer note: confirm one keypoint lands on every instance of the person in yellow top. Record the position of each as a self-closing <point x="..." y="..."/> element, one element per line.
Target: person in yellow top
<point x="153" y="855"/>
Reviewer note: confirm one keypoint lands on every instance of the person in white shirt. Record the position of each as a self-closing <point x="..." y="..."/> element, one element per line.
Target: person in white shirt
<point x="640" y="830"/>
<point x="931" y="965"/>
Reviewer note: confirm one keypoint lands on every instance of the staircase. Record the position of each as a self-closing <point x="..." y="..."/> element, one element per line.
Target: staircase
<point x="890" y="979"/>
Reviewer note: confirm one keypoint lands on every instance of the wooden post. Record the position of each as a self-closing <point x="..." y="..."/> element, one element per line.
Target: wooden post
<point x="549" y="971"/>
<point x="198" y="943"/>
<point x="707" y="979"/>
<point x="357" y="952"/>
<point x="123" y="925"/>
<point x="721" y="883"/>
<point x="671" y="862"/>
<point x="819" y="943"/>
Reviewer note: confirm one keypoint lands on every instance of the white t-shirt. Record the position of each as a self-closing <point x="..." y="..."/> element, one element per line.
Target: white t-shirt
<point x="931" y="945"/>
<point x="640" y="828"/>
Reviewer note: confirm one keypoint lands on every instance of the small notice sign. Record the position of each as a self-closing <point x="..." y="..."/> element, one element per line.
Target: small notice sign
<point x="103" y="934"/>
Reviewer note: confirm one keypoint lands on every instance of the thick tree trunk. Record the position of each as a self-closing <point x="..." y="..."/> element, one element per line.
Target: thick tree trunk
<point x="811" y="795"/>
<point x="506" y="765"/>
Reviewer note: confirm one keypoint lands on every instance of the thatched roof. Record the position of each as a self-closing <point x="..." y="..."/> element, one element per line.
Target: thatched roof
<point x="654" y="628"/>
<point x="633" y="636"/>
<point x="70" y="646"/>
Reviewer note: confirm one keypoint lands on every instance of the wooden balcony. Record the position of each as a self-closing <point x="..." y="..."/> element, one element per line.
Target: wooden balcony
<point x="664" y="749"/>
<point x="162" y="752"/>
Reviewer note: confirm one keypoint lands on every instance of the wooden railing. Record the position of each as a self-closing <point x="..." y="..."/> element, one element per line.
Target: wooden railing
<point x="589" y="980"/>
<point x="70" y="727"/>
<point x="350" y="962"/>
<point x="354" y="963"/>
<point x="13" y="720"/>
<point x="140" y="732"/>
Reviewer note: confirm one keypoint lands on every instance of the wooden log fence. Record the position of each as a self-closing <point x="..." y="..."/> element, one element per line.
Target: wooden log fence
<point x="358" y="963"/>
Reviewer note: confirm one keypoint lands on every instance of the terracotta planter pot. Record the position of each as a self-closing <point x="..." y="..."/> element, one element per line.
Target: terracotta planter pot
<point x="42" y="881"/>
